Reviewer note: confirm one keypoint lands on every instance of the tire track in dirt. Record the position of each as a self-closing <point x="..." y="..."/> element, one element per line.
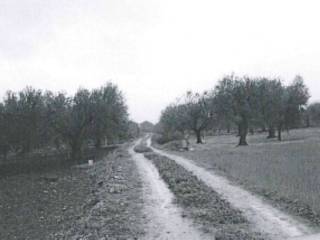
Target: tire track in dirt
<point x="262" y="216"/>
<point x="164" y="219"/>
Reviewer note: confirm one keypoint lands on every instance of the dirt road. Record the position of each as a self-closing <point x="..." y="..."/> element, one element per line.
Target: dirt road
<point x="263" y="217"/>
<point x="164" y="219"/>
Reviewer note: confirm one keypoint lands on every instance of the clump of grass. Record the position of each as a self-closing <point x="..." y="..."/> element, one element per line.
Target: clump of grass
<point x="142" y="149"/>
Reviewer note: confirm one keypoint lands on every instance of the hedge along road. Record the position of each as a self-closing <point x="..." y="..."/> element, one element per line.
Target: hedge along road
<point x="263" y="217"/>
<point x="164" y="219"/>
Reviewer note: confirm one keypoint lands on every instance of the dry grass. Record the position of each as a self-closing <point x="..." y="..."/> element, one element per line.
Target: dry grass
<point x="291" y="168"/>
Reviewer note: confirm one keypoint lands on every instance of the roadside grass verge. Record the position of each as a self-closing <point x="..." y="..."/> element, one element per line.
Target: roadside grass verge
<point x="201" y="203"/>
<point x="287" y="173"/>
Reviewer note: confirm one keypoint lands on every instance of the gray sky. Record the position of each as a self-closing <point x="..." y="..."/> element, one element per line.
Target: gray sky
<point x="155" y="50"/>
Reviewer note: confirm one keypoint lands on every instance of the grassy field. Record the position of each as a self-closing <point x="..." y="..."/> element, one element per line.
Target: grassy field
<point x="291" y="168"/>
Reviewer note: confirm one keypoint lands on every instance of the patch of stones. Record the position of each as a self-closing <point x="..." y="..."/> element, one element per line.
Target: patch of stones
<point x="202" y="204"/>
<point x="114" y="211"/>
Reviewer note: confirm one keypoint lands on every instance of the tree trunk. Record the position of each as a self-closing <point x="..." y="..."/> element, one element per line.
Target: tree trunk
<point x="26" y="147"/>
<point x="271" y="132"/>
<point x="243" y="131"/>
<point x="308" y="121"/>
<point x="198" y="134"/>
<point x="228" y="128"/>
<point x="76" y="151"/>
<point x="4" y="151"/>
<point x="279" y="133"/>
<point x="98" y="143"/>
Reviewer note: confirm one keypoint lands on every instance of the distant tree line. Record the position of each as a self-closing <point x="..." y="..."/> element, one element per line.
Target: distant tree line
<point x="33" y="119"/>
<point x="243" y="104"/>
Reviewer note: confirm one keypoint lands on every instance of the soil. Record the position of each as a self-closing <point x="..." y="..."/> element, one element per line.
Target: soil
<point x="102" y="201"/>
<point x="293" y="206"/>
<point x="285" y="174"/>
<point x="115" y="209"/>
<point x="48" y="198"/>
<point x="262" y="216"/>
<point x="164" y="219"/>
<point x="201" y="203"/>
<point x="37" y="205"/>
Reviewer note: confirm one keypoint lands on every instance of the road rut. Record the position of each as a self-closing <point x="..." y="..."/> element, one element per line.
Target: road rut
<point x="164" y="218"/>
<point x="263" y="217"/>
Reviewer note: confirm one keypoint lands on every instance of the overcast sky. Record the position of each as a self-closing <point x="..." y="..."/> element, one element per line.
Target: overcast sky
<point x="155" y="50"/>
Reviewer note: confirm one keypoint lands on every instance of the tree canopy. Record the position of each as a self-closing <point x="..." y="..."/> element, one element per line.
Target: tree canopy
<point x="243" y="102"/>
<point x="31" y="119"/>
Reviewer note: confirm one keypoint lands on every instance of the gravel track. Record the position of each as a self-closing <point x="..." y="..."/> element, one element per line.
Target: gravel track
<point x="202" y="204"/>
<point x="262" y="216"/>
<point x="164" y="220"/>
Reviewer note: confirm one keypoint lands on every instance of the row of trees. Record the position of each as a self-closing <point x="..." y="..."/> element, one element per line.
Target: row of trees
<point x="33" y="119"/>
<point x="243" y="103"/>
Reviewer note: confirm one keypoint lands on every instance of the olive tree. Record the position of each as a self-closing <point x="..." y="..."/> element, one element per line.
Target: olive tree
<point x="294" y="101"/>
<point x="198" y="112"/>
<point x="237" y="97"/>
<point x="110" y="117"/>
<point x="4" y="136"/>
<point x="270" y="100"/>
<point x="222" y="96"/>
<point x="191" y="113"/>
<point x="23" y="116"/>
<point x="88" y="115"/>
<point x="70" y="118"/>
<point x="174" y="120"/>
